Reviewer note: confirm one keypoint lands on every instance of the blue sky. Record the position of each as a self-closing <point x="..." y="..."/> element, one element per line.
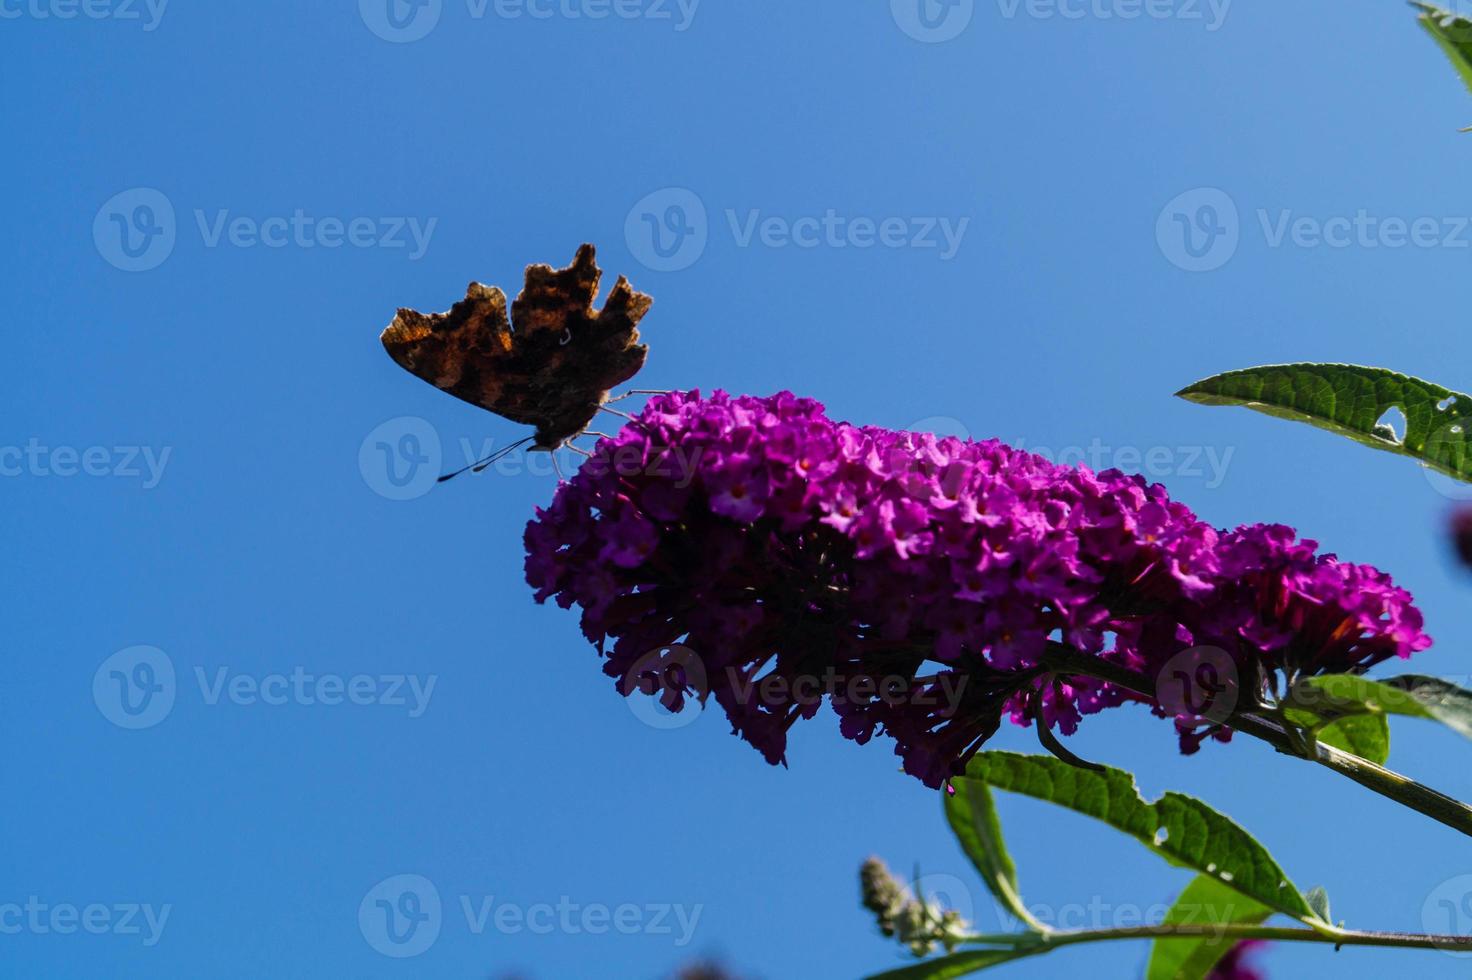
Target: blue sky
<point x="965" y="223"/>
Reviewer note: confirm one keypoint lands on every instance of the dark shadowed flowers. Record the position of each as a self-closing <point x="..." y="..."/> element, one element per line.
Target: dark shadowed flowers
<point x="918" y="583"/>
<point x="1236" y="965"/>
<point x="1461" y="528"/>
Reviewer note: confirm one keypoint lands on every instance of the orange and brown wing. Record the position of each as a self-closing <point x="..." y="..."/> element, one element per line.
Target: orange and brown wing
<point x="551" y="366"/>
<point x="468" y="352"/>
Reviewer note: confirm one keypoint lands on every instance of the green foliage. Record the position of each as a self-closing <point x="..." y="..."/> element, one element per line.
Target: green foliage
<point x="1351" y="401"/>
<point x="1365" y="735"/>
<point x="1204" y="901"/>
<point x="1453" y="34"/>
<point x="955" y="965"/>
<point x="1183" y="830"/>
<point x="973" y="817"/>
<point x="1346" y="696"/>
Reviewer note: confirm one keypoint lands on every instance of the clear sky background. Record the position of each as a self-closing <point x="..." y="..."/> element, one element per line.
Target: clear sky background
<point x="267" y="539"/>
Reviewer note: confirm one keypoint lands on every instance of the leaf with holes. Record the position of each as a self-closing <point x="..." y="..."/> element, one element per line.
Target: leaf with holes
<point x="973" y="817"/>
<point x="1205" y="901"/>
<point x="1183" y="830"/>
<point x="1352" y="401"/>
<point x="1453" y="34"/>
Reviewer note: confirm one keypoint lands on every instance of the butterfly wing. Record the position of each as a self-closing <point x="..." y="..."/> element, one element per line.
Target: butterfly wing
<point x="552" y="370"/>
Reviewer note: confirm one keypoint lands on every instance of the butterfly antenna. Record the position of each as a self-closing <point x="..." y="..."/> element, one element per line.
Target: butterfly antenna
<point x="489" y="460"/>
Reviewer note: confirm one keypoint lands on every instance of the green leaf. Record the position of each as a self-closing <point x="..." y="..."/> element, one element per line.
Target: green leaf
<point x="956" y="964"/>
<point x="1318" y="899"/>
<point x="1410" y="695"/>
<point x="1365" y="735"/>
<point x="1351" y="401"/>
<point x="1183" y="830"/>
<point x="973" y="818"/>
<point x="1434" y="698"/>
<point x="1452" y="34"/>
<point x="1205" y="901"/>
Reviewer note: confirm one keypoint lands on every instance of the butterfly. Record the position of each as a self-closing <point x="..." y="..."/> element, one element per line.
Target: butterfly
<point x="552" y="365"/>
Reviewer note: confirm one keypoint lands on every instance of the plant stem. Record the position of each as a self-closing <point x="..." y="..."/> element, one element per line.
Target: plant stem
<point x="1040" y="942"/>
<point x="1389" y="784"/>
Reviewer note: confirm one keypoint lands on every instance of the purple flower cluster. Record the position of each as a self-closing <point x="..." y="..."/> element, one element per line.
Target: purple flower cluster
<point x="753" y="550"/>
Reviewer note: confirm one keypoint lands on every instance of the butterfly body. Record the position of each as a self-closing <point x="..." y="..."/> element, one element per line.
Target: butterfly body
<point x="550" y="365"/>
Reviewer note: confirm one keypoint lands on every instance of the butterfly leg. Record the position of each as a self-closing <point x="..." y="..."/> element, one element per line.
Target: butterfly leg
<point x="614" y="411"/>
<point x="624" y="415"/>
<point x="636" y="391"/>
